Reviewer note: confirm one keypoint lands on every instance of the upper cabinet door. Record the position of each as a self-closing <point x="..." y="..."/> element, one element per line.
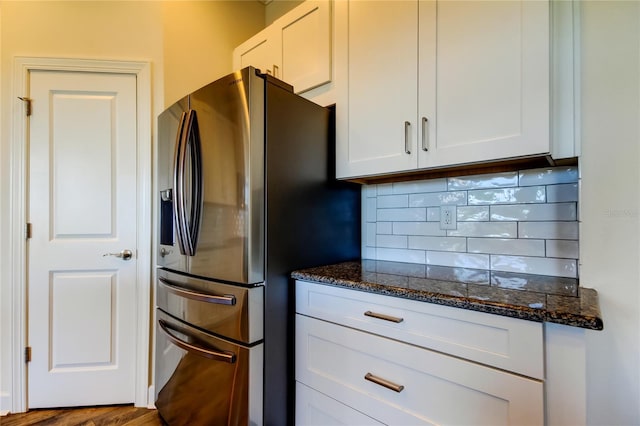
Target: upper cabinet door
<point x="484" y="80"/>
<point x="306" y="45"/>
<point x="382" y="89"/>
<point x="433" y="84"/>
<point x="295" y="48"/>
<point x="261" y="51"/>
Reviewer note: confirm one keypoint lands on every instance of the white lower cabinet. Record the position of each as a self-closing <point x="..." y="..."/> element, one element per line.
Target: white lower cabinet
<point x="343" y="371"/>
<point x="315" y="408"/>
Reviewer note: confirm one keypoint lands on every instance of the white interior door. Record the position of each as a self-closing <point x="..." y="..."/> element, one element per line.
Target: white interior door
<point x="82" y="205"/>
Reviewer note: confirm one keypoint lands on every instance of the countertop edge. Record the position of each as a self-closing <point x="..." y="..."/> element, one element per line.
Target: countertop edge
<point x="558" y="316"/>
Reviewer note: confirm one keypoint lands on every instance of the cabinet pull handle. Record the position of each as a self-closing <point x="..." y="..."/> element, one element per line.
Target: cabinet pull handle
<point x="383" y="317"/>
<point x="382" y="382"/>
<point x="407" y="126"/>
<point x="275" y="71"/>
<point x="425" y="134"/>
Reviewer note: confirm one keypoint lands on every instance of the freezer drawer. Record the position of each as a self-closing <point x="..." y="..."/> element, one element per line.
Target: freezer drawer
<point x="234" y="312"/>
<point x="204" y="380"/>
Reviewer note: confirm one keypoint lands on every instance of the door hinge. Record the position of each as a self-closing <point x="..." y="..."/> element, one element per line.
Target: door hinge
<point x="27" y="354"/>
<point x="27" y="230"/>
<point x="27" y="102"/>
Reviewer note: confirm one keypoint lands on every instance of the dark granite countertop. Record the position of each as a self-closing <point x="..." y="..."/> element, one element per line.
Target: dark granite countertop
<point x="529" y="297"/>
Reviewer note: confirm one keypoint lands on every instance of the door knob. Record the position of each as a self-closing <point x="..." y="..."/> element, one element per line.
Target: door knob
<point x="125" y="254"/>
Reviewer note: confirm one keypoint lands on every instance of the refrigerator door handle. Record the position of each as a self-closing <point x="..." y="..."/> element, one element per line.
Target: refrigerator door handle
<point x="213" y="354"/>
<point x="178" y="185"/>
<point x="192" y="143"/>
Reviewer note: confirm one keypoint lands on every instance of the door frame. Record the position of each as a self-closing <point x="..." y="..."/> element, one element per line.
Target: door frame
<point x="17" y="259"/>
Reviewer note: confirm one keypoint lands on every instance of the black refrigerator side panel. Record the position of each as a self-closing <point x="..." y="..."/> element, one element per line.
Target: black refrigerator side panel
<point x="312" y="220"/>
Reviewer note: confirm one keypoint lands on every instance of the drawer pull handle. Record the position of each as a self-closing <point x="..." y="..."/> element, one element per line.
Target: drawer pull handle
<point x="382" y="382"/>
<point x="383" y="317"/>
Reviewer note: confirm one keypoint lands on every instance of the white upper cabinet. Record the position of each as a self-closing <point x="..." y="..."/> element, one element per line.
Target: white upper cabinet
<point x="260" y="51"/>
<point x="382" y="89"/>
<point x="484" y="81"/>
<point x="430" y="84"/>
<point x="296" y="48"/>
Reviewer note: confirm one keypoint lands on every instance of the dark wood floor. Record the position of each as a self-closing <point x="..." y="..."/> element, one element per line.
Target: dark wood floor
<point x="121" y="415"/>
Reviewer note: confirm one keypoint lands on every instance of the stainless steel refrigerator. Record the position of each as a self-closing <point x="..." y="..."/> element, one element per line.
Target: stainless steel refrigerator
<point x="247" y="195"/>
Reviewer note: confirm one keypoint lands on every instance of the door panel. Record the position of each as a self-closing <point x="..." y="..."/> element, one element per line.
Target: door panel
<point x="261" y="51"/>
<point x="484" y="80"/>
<point x="306" y="47"/>
<point x="81" y="305"/>
<point x="72" y="154"/>
<point x="82" y="206"/>
<point x="382" y="104"/>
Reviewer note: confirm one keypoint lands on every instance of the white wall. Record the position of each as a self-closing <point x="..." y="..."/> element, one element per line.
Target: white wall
<point x="277" y="8"/>
<point x="610" y="207"/>
<point x="123" y="30"/>
<point x="198" y="40"/>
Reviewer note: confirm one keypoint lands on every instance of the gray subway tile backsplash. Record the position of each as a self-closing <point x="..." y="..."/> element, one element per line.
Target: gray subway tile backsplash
<point x="524" y="222"/>
<point x="548" y="230"/>
<point x="534" y="212"/>
<point x="548" y="176"/>
<point x="418" y="228"/>
<point x="391" y="241"/>
<point x="534" y="194"/>
<point x="507" y="246"/>
<point x="402" y="215"/>
<point x="562" y="249"/>
<point x="562" y="193"/>
<point x="401" y="255"/>
<point x="471" y="213"/>
<point x="458" y="198"/>
<point x="535" y="265"/>
<point x="495" y="180"/>
<point x="458" y="260"/>
<point x="383" y="228"/>
<point x="457" y="244"/>
<point x="392" y="201"/>
<point x="485" y="229"/>
<point x="416" y="187"/>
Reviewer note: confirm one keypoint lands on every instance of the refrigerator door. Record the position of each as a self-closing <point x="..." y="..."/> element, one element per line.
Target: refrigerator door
<point x="202" y="379"/>
<point x="170" y="125"/>
<point x="232" y="311"/>
<point x="218" y="181"/>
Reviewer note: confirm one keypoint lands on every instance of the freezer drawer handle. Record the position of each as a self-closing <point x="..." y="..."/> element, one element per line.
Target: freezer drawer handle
<point x="382" y="382"/>
<point x="227" y="299"/>
<point x="383" y="317"/>
<point x="216" y="355"/>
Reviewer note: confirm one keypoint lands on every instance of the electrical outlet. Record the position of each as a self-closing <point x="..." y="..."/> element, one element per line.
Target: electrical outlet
<point x="448" y="217"/>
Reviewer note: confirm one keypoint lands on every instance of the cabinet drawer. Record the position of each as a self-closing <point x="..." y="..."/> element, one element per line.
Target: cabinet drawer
<point x="315" y="408"/>
<point x="430" y="388"/>
<point x="507" y="343"/>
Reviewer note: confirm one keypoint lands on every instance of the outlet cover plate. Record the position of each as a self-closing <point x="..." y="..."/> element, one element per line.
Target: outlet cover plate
<point x="448" y="217"/>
